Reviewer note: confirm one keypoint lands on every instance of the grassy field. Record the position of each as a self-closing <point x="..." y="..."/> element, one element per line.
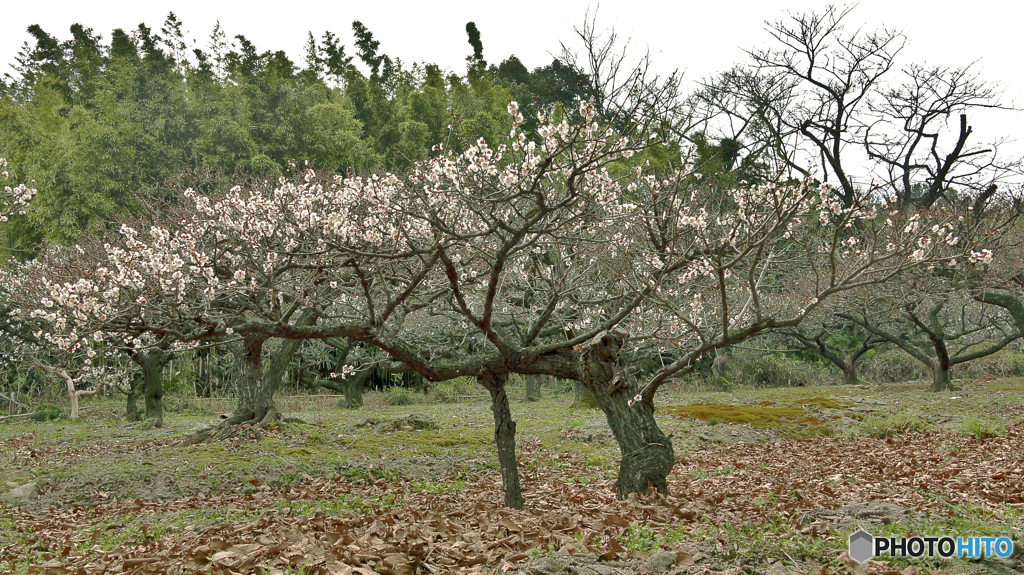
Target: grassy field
<point x="766" y="481"/>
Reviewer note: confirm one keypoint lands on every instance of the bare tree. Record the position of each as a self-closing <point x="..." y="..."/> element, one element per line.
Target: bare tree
<point x="620" y="81"/>
<point x="913" y="117"/>
<point x="822" y="98"/>
<point x="944" y="332"/>
<point x="748" y="109"/>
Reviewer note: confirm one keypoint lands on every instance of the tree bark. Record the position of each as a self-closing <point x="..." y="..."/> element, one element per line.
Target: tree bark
<point x="256" y="388"/>
<point x="941" y="379"/>
<point x="255" y="399"/>
<point x="72" y="394"/>
<point x="533" y="387"/>
<point x="206" y="377"/>
<point x="647" y="454"/>
<point x="131" y="412"/>
<point x="504" y="437"/>
<point x="850" y="376"/>
<point x="941" y="364"/>
<point x="152" y="371"/>
<point x="353" y="388"/>
<point x="148" y="385"/>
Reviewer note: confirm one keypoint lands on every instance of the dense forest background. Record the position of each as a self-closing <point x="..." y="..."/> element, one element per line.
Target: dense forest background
<point x="103" y="127"/>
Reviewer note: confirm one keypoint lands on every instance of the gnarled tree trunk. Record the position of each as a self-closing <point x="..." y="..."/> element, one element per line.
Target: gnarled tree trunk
<point x="149" y="385"/>
<point x="255" y="392"/>
<point x="534" y="383"/>
<point x="647" y="454"/>
<point x="504" y="437"/>
<point x="351" y="387"/>
<point x="941" y="378"/>
<point x="131" y="411"/>
<point x="849" y="368"/>
<point x="256" y="386"/>
<point x="941" y="365"/>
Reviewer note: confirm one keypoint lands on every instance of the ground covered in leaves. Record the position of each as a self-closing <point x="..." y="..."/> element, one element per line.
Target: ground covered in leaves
<point x="377" y="491"/>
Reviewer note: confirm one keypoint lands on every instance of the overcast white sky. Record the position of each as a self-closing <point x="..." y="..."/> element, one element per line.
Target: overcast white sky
<point x="698" y="38"/>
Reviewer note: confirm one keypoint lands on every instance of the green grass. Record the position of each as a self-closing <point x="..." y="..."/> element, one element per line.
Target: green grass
<point x="641" y="538"/>
<point x="981" y="427"/>
<point x="882" y="426"/>
<point x="437" y="487"/>
<point x="774" y="540"/>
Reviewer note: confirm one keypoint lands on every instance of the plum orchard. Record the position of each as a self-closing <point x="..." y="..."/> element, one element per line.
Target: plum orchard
<point x="562" y="256"/>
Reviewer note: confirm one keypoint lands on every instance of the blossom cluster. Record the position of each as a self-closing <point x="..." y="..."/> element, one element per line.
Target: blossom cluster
<point x="13" y="200"/>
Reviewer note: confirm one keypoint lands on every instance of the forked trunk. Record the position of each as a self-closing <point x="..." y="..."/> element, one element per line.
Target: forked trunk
<point x="504" y="437"/>
<point x="73" y="395"/>
<point x="647" y="454"/>
<point x="256" y="387"/>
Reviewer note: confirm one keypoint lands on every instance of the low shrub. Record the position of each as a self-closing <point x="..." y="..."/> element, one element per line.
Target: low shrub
<point x="776" y="371"/>
<point x="454" y="390"/>
<point x="46" y="413"/>
<point x="402" y="396"/>
<point x="893" y="365"/>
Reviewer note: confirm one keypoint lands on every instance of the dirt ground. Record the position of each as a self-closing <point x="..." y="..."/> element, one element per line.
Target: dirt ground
<point x="772" y="487"/>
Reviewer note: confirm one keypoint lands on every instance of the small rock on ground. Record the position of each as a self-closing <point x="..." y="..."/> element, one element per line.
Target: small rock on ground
<point x="661" y="562"/>
<point x="22" y="494"/>
<point x="875" y="511"/>
<point x="543" y="566"/>
<point x="421" y="421"/>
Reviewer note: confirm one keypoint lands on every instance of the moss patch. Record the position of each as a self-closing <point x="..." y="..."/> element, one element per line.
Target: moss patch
<point x="824" y="402"/>
<point x="754" y="415"/>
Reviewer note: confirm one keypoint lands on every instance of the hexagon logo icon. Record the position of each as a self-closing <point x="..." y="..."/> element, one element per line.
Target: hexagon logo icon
<point x="861" y="546"/>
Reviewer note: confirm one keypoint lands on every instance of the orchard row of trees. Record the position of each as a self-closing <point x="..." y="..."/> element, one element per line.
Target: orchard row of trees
<point x="569" y="243"/>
